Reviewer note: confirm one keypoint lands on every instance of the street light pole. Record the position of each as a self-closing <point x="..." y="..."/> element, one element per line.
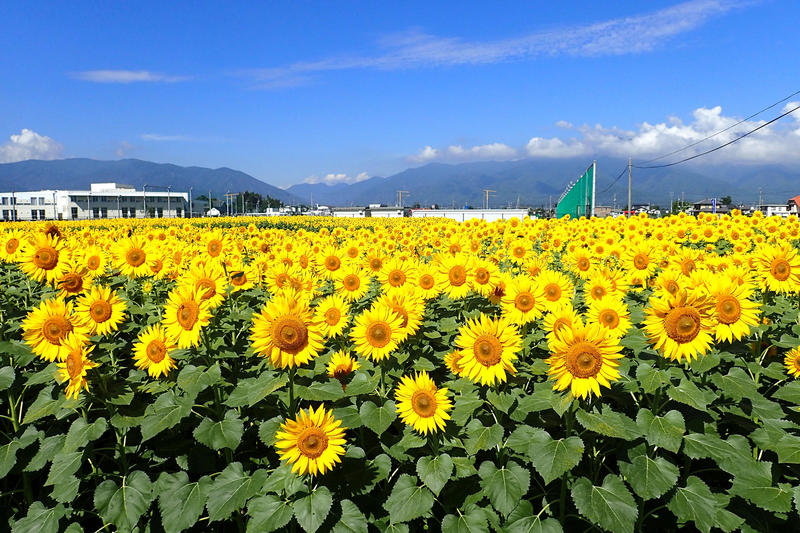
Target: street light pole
<point x="144" y="201"/>
<point x="190" y="202"/>
<point x="169" y="188"/>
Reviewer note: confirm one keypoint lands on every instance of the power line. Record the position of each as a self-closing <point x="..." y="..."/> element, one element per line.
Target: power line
<point x="723" y="145"/>
<point x="624" y="170"/>
<point x="720" y="131"/>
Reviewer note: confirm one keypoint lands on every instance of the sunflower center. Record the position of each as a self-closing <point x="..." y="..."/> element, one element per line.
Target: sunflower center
<point x="561" y="323"/>
<point x="780" y="269"/>
<point x="583" y="264"/>
<point x="214" y="247"/>
<point x="457" y="275"/>
<point x="46" y="258"/>
<point x="93" y="262"/>
<point x="524" y="301"/>
<point x="289" y="334"/>
<point x="519" y="251"/>
<point x="583" y="360"/>
<point x="482" y="275"/>
<point x="238" y="278"/>
<point x="401" y="312"/>
<point x="352" y="252"/>
<point x="641" y="261"/>
<point x="396" y="278"/>
<point x="12" y="245"/>
<point x="100" y="311"/>
<point x="672" y="287"/>
<point x="379" y="334"/>
<point x="156" y="350"/>
<point x="426" y="281"/>
<point x="72" y="282"/>
<point x="728" y="309"/>
<point x="375" y="263"/>
<point x="423" y="403"/>
<point x="281" y="279"/>
<point x="135" y="257"/>
<point x="312" y="442"/>
<point x="156" y="266"/>
<point x="687" y="267"/>
<point x="598" y="292"/>
<point x="332" y="316"/>
<point x="188" y="313"/>
<point x="56" y="328"/>
<point x="332" y="262"/>
<point x="74" y="364"/>
<point x="351" y="282"/>
<point x="609" y="318"/>
<point x="682" y="324"/>
<point x="552" y="292"/>
<point x="487" y="350"/>
<point x="206" y="287"/>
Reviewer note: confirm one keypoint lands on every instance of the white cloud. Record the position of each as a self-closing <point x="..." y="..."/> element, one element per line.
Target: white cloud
<point x="29" y="145"/>
<point x="127" y="76"/>
<point x="333" y="179"/>
<point x="166" y="138"/>
<point x="416" y="49"/>
<point x="563" y="124"/>
<point x="123" y="148"/>
<point x="777" y="142"/>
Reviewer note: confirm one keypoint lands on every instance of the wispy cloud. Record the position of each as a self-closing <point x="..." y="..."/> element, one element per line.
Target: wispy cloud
<point x="29" y="145"/>
<point x="496" y="151"/>
<point x="332" y="179"/>
<point x="127" y="76"/>
<point x="416" y="49"/>
<point x="159" y="137"/>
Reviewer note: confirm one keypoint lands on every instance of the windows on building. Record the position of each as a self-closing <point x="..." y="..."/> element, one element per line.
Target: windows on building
<point x="74" y="211"/>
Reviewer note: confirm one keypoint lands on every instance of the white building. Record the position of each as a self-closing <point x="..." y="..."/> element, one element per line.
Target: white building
<point x="103" y="200"/>
<point x="462" y="215"/>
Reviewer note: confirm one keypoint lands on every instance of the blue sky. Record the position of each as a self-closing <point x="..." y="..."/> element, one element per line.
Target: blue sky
<point x="338" y="91"/>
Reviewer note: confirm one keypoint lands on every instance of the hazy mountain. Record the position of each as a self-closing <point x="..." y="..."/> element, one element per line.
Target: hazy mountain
<point x="79" y="173"/>
<point x="534" y="182"/>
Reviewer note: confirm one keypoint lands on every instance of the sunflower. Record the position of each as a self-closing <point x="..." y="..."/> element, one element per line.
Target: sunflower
<point x="46" y="327"/>
<point x="561" y="317"/>
<point x="330" y="262"/>
<point x="670" y="281"/>
<point x="75" y="364"/>
<point x="792" y="362"/>
<point x="332" y="315"/>
<point x="132" y="254"/>
<point x="278" y="276"/>
<point x="151" y="351"/>
<point x="216" y="245"/>
<point x="452" y="361"/>
<point x="596" y="287"/>
<point x="397" y="275"/>
<point x="519" y="250"/>
<point x="74" y="280"/>
<point x="456" y="270"/>
<point x="184" y="316"/>
<point x="779" y="268"/>
<point x="408" y="307"/>
<point x="639" y="260"/>
<point x="485" y="275"/>
<point x="524" y="301"/>
<point x="583" y="358"/>
<point x="341" y="365"/>
<point x="557" y="288"/>
<point x="612" y="314"/>
<point x="285" y="332"/>
<point x="375" y="332"/>
<point x="313" y="442"/>
<point x="488" y="348"/>
<point x="101" y="310"/>
<point x="242" y="277"/>
<point x="735" y="312"/>
<point x="352" y="284"/>
<point x="11" y="243"/>
<point x="680" y="325"/>
<point x="421" y="405"/>
<point x="500" y="288"/>
<point x="43" y="258"/>
<point x="581" y="262"/>
<point x="429" y="283"/>
<point x="94" y="258"/>
<point x="208" y="279"/>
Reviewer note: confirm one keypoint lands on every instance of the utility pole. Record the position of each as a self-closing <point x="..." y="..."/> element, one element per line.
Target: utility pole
<point x="400" y="197"/>
<point x="671" y="207"/>
<point x="190" y="202"/>
<point x="629" y="187"/>
<point x="144" y="201"/>
<point x="486" y="193"/>
<point x="760" y="201"/>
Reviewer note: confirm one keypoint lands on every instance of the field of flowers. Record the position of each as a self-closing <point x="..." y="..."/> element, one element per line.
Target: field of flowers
<point x="313" y="374"/>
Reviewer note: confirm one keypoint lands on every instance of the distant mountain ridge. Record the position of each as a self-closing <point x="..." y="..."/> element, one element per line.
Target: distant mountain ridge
<point x="79" y="173"/>
<point x="536" y="182"/>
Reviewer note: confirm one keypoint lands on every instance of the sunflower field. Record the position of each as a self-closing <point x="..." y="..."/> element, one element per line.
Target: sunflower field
<point x="317" y="374"/>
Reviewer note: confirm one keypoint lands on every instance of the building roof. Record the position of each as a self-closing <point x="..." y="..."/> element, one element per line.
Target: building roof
<point x="794" y="199"/>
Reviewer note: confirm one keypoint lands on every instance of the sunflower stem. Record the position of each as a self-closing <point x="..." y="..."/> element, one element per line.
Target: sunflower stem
<point x="291" y="390"/>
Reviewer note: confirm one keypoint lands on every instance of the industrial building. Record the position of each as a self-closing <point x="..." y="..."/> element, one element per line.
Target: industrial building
<point x="102" y="200"/>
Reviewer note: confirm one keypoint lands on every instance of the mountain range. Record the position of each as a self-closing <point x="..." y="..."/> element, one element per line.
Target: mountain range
<point x="525" y="182"/>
